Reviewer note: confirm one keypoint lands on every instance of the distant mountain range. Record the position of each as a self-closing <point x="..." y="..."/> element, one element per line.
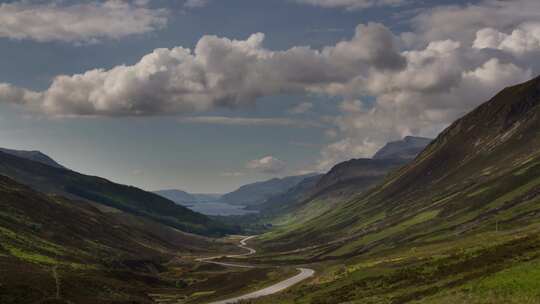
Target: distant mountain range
<point x="257" y="193"/>
<point x="184" y="198"/>
<point x="277" y="194"/>
<point x="344" y="180"/>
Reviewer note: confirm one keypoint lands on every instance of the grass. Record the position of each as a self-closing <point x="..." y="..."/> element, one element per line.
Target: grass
<point x="489" y="267"/>
<point x="517" y="284"/>
<point x="419" y="218"/>
<point x="31" y="257"/>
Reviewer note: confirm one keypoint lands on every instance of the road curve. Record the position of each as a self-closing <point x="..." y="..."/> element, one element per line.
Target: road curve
<point x="304" y="274"/>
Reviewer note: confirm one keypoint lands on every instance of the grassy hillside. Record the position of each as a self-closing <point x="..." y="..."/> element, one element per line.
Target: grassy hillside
<point x="313" y="198"/>
<point x="452" y="226"/>
<point x="55" y="250"/>
<point x="132" y="200"/>
<point x="318" y="194"/>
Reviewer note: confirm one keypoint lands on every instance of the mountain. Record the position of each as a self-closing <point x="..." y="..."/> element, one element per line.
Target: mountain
<point x="320" y="193"/>
<point x="182" y="197"/>
<point x="52" y="247"/>
<point x="100" y="191"/>
<point x="258" y="193"/>
<point x="286" y="202"/>
<point x="177" y="196"/>
<point x="358" y="169"/>
<point x="494" y="143"/>
<point x="33" y="155"/>
<point x="407" y="148"/>
<point x="454" y="225"/>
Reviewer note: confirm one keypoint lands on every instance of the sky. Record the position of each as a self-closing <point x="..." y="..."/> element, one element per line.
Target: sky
<point x="208" y="95"/>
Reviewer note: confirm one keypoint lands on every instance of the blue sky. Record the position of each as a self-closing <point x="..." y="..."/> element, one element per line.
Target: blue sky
<point x="274" y="128"/>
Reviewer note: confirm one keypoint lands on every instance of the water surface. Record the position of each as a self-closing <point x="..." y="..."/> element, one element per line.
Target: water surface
<point x="219" y="208"/>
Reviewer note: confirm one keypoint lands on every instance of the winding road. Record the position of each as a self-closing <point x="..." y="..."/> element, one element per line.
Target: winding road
<point x="304" y="274"/>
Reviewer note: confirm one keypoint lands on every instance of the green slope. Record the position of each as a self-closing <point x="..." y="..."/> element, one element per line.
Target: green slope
<point x="55" y="250"/>
<point x="319" y="194"/>
<point x="132" y="200"/>
<point x="461" y="217"/>
<point x="470" y="174"/>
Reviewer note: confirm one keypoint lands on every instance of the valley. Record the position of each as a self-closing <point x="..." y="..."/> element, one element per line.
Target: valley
<point x="270" y="152"/>
<point x="453" y="219"/>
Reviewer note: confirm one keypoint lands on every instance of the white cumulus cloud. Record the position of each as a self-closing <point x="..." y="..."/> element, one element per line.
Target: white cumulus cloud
<point x="389" y="85"/>
<point x="267" y="164"/>
<point x="79" y="23"/>
<point x="219" y="72"/>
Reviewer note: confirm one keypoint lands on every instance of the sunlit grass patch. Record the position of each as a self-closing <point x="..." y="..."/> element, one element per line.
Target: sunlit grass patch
<point x="30" y="256"/>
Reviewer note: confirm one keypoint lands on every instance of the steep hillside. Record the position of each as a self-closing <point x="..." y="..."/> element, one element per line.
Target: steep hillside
<point x="33" y="155"/>
<point x="459" y="224"/>
<point x="357" y="169"/>
<point x="481" y="169"/>
<point x="284" y="202"/>
<point x="321" y="193"/>
<point x="55" y="250"/>
<point x="129" y="199"/>
<point x="407" y="148"/>
<point x="258" y="193"/>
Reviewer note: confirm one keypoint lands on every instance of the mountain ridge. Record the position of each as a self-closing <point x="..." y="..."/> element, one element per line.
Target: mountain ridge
<point x="33" y="155"/>
<point x="74" y="185"/>
<point x="406" y="148"/>
<point x="342" y="181"/>
<point x="497" y="138"/>
<point x="257" y="193"/>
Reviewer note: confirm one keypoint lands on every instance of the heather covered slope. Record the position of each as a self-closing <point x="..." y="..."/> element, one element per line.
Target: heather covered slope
<point x="128" y="199"/>
<point x="460" y="224"/>
<point x="318" y="194"/>
<point x="482" y="169"/>
<point x="52" y="247"/>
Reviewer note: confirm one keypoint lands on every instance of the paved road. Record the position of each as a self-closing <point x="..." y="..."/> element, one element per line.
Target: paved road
<point x="304" y="274"/>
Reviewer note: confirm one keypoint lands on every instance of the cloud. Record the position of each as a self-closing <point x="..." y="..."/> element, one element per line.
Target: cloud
<point x="523" y="39"/>
<point x="301" y="108"/>
<point x="219" y="72"/>
<point x="462" y="22"/>
<point x="352" y="4"/>
<point x="15" y="95"/>
<point x="388" y="85"/>
<point x="78" y="23"/>
<point x="456" y="58"/>
<point x="248" y="121"/>
<point x="267" y="164"/>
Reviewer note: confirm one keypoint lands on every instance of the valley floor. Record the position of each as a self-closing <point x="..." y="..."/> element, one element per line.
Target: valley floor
<point x="485" y="268"/>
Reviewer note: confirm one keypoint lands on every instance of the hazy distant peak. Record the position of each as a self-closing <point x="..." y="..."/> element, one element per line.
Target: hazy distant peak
<point x="407" y="148"/>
